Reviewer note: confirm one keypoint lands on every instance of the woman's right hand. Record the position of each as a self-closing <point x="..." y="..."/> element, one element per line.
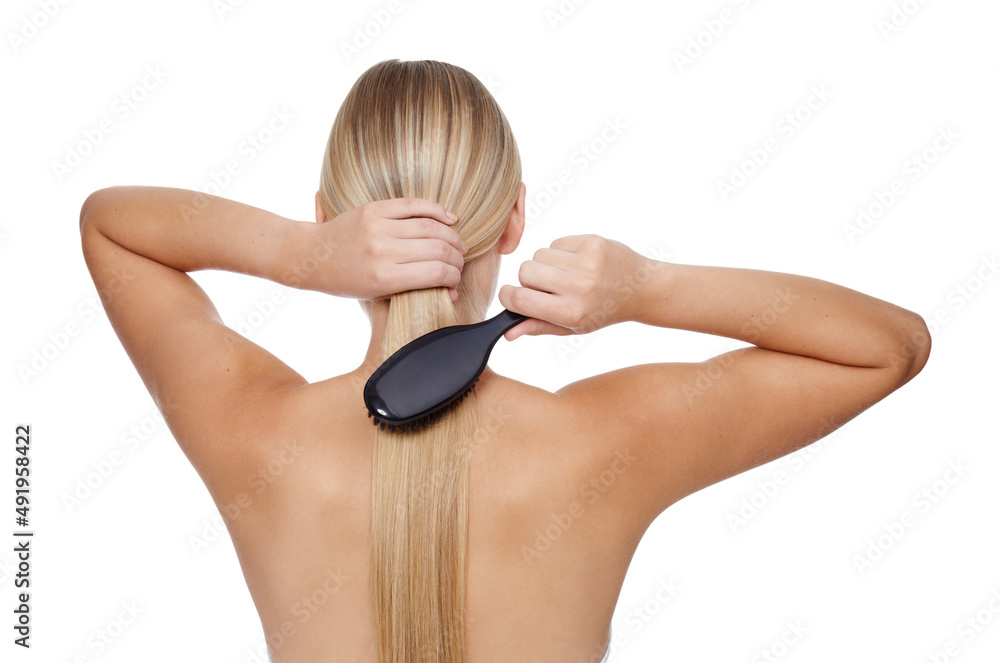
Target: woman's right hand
<point x="381" y="248"/>
<point x="579" y="284"/>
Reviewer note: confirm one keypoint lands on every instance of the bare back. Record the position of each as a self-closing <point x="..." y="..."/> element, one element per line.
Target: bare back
<point x="551" y="530"/>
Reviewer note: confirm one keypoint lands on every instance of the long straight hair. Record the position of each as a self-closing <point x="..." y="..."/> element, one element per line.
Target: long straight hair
<point x="429" y="130"/>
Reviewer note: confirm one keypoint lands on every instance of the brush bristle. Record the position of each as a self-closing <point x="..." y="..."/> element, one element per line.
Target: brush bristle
<point x="423" y="422"/>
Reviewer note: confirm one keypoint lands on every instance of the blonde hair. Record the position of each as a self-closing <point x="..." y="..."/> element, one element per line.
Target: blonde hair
<point x="429" y="130"/>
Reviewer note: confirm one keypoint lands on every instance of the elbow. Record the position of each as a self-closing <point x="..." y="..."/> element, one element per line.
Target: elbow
<point x="923" y="346"/>
<point x="89" y="208"/>
<point x="95" y="204"/>
<point x="914" y="348"/>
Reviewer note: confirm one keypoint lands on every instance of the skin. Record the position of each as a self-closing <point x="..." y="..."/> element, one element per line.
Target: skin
<point x="606" y="454"/>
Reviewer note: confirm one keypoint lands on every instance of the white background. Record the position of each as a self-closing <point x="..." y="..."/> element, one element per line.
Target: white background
<point x="683" y="127"/>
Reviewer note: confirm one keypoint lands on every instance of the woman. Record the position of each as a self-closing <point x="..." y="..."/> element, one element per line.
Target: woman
<point x="493" y="535"/>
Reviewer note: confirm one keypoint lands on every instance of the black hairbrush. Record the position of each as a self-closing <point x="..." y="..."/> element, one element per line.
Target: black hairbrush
<point x="422" y="380"/>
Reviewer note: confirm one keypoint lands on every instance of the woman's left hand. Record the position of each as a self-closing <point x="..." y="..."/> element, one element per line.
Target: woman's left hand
<point x="379" y="249"/>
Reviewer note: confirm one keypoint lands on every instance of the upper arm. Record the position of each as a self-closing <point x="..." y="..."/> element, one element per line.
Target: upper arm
<point x="217" y="391"/>
<point x="692" y="425"/>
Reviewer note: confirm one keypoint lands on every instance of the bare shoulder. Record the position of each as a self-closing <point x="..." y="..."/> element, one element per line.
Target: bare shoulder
<point x="519" y="420"/>
<point x="287" y="442"/>
<point x="691" y="425"/>
<point x="550" y="441"/>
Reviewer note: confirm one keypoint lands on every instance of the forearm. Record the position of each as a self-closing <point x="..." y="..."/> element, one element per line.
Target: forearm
<point x="191" y="231"/>
<point x="787" y="313"/>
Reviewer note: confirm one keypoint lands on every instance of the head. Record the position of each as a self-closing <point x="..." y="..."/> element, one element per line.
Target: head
<point x="427" y="130"/>
<point x="430" y="130"/>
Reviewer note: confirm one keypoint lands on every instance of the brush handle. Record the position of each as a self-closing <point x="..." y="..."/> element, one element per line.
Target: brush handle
<point x="501" y="322"/>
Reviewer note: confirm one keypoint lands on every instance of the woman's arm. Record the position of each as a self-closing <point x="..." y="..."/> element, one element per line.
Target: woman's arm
<point x="824" y="353"/>
<point x="218" y="391"/>
<point x="797" y="315"/>
<point x="585" y="282"/>
<point x="365" y="253"/>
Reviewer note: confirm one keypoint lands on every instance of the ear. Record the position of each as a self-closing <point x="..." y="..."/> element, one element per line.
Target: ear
<point x="515" y="225"/>
<point x="320" y="213"/>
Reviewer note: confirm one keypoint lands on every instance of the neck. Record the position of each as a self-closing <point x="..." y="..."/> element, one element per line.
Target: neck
<point x="378" y="314"/>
